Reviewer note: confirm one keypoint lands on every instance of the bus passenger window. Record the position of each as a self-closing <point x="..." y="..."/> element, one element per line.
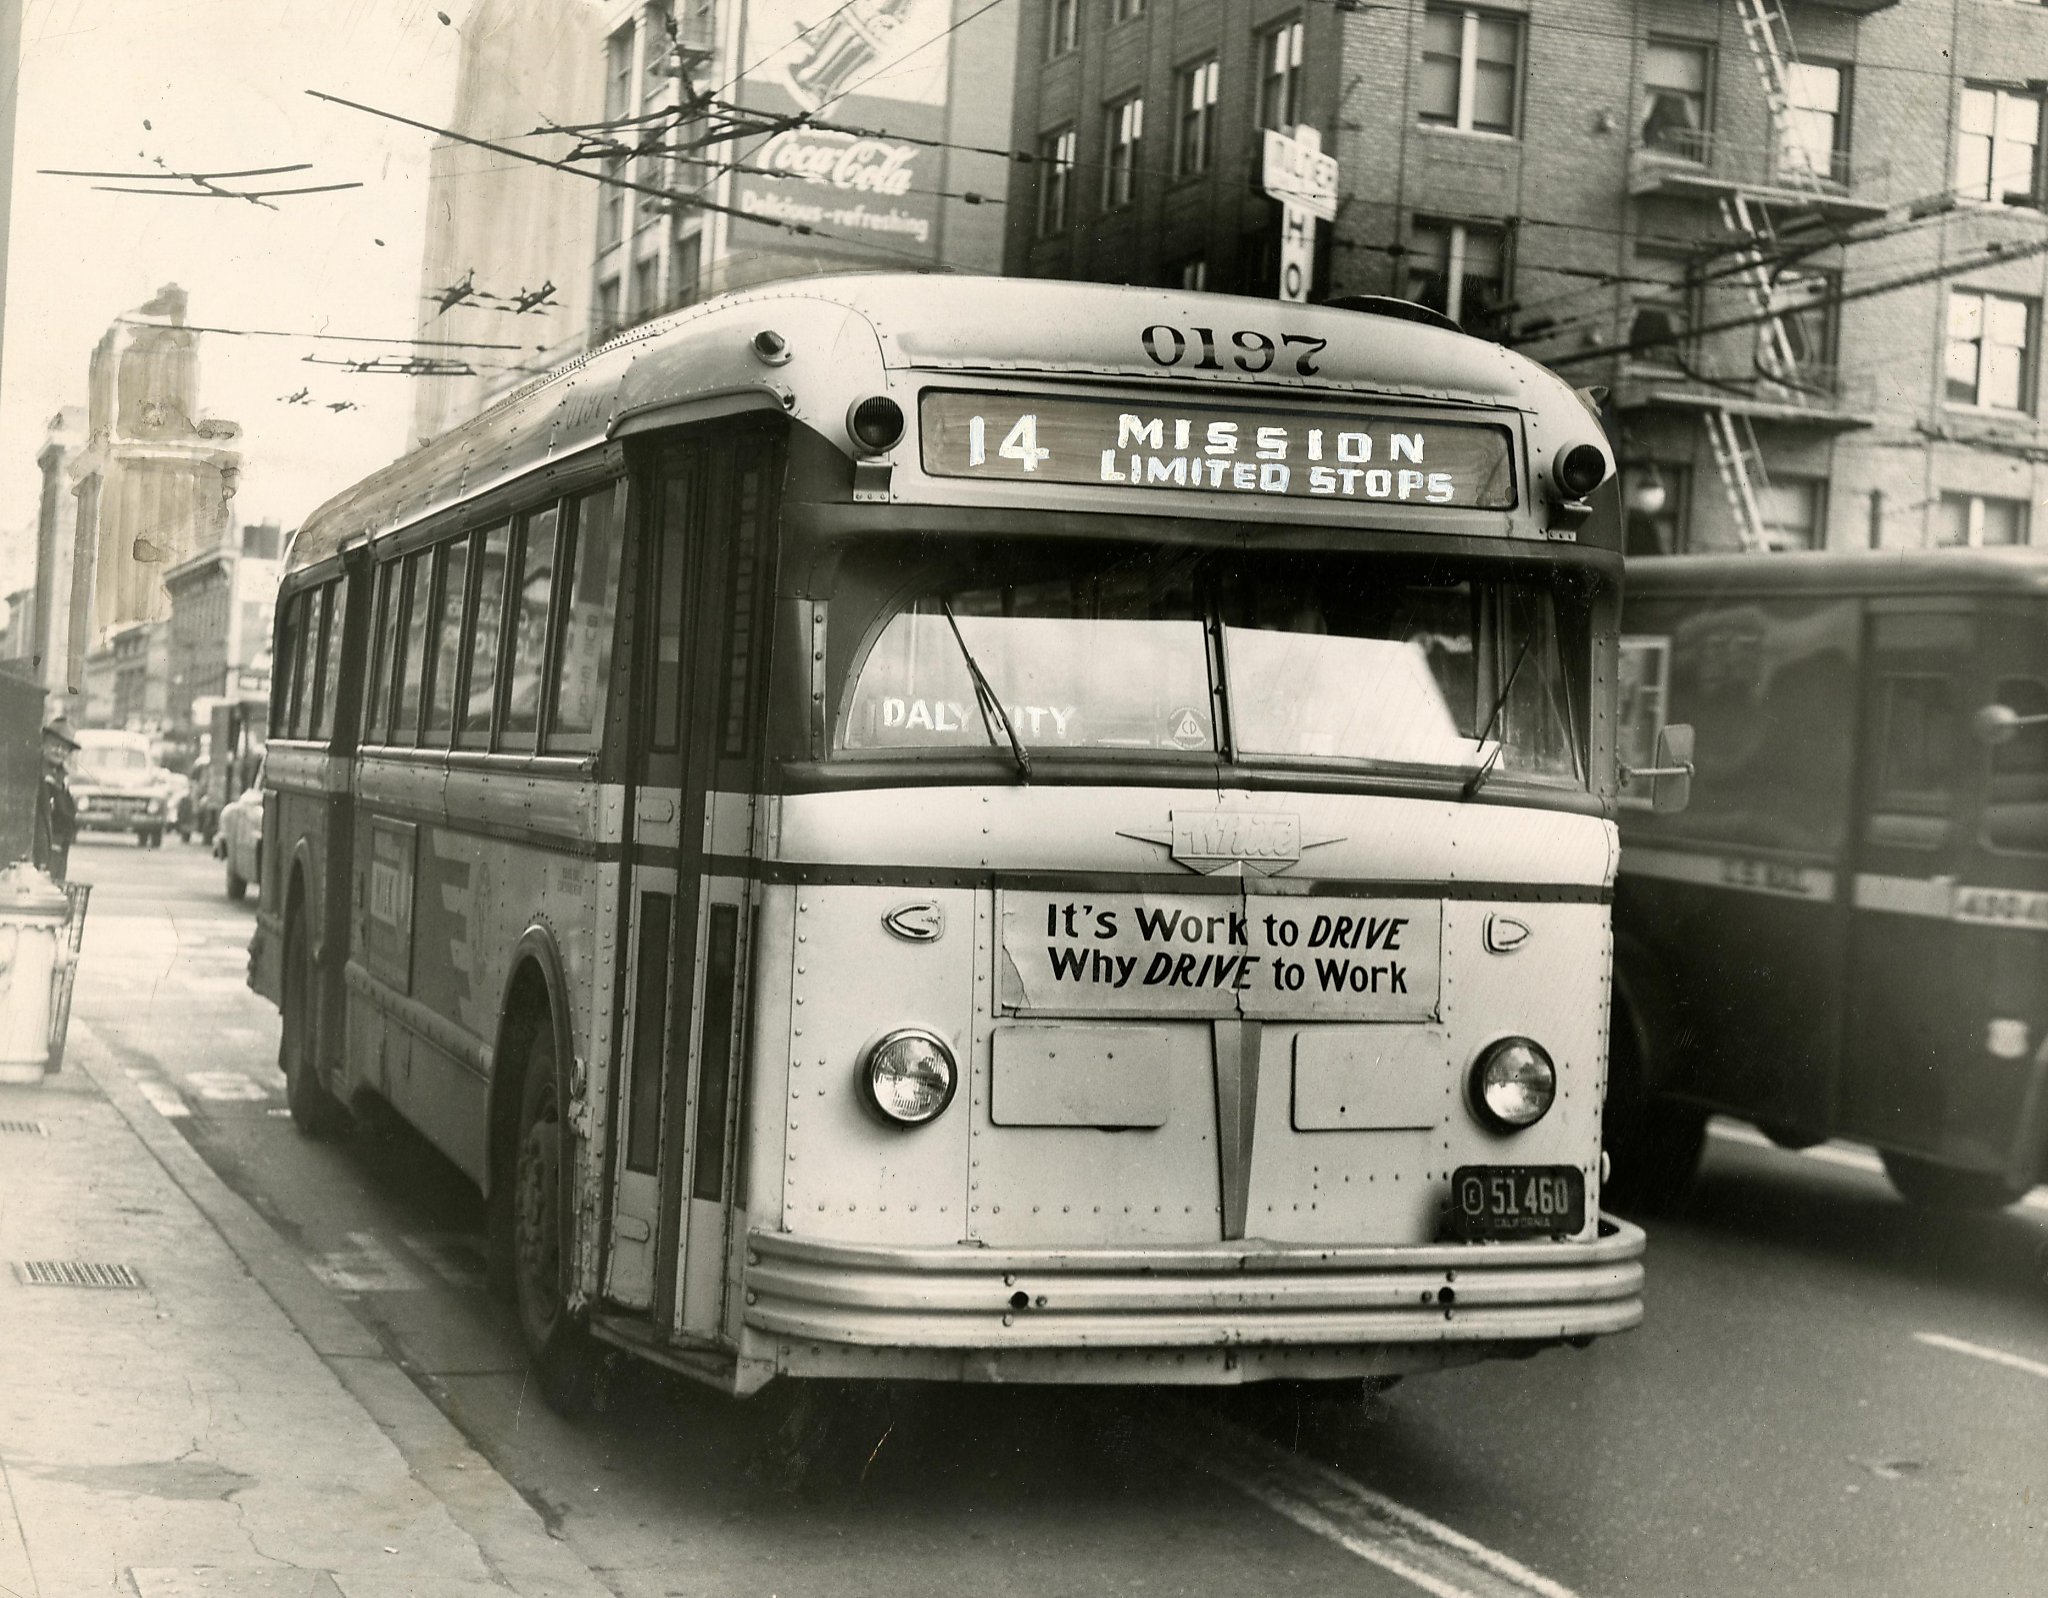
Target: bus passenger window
<point x="309" y="651"/>
<point x="486" y="626"/>
<point x="382" y="645"/>
<point x="280" y="680"/>
<point x="445" y="646"/>
<point x="592" y="573"/>
<point x="1916" y="759"/>
<point x="530" y="634"/>
<point x="2016" y="799"/>
<point x="330" y="674"/>
<point x="405" y="721"/>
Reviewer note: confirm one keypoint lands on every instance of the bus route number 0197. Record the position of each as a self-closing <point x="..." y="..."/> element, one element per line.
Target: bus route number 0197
<point x="1252" y="351"/>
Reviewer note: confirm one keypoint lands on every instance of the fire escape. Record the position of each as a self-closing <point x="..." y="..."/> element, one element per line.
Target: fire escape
<point x="1798" y="188"/>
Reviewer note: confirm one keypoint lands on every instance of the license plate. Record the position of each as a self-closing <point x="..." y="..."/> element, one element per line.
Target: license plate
<point x="1498" y="1201"/>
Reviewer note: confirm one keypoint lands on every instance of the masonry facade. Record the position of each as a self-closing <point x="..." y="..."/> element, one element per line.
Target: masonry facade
<point x="1802" y="247"/>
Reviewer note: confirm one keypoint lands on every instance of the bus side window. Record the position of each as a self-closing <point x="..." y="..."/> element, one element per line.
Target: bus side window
<point x="590" y="563"/>
<point x="417" y="596"/>
<point x="533" y="602"/>
<point x="485" y="629"/>
<point x="2016" y="799"/>
<point x="281" y="677"/>
<point x="1645" y="681"/>
<point x="330" y="672"/>
<point x="306" y="661"/>
<point x="1918" y="746"/>
<point x="444" y="644"/>
<point x="383" y="644"/>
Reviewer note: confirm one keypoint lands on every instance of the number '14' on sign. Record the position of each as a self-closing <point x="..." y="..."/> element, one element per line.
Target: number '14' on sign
<point x="1021" y="446"/>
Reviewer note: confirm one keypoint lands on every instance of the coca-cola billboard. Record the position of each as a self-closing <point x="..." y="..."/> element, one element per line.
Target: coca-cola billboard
<point x="858" y="168"/>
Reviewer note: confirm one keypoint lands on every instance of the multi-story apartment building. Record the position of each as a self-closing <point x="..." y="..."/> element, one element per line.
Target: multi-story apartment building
<point x="222" y="603"/>
<point x="1801" y="246"/>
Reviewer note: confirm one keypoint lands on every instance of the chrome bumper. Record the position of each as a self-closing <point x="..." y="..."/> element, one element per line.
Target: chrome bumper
<point x="1214" y="1296"/>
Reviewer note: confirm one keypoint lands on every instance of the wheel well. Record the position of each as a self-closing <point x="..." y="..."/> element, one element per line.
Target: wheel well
<point x="528" y="1007"/>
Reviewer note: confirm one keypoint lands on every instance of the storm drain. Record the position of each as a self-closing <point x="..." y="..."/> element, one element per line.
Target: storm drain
<point x="74" y="1273"/>
<point x="24" y="1128"/>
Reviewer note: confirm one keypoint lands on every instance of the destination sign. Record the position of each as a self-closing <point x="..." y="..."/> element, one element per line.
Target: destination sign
<point x="1360" y="456"/>
<point x="1262" y="956"/>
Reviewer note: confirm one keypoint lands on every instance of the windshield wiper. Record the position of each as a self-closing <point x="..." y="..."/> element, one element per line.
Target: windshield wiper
<point x="991" y="707"/>
<point x="1478" y="778"/>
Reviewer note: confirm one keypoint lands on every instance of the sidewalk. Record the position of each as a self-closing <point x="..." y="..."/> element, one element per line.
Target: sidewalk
<point x="225" y="1427"/>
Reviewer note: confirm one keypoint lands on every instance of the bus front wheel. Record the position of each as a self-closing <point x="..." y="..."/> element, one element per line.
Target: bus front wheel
<point x="563" y="1355"/>
<point x="1930" y="1186"/>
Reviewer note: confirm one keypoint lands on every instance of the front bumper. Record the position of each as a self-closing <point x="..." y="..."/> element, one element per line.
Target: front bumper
<point x="1358" y="1305"/>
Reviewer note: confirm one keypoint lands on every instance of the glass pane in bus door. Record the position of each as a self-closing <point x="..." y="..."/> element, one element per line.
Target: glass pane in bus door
<point x="1910" y="1039"/>
<point x="678" y="951"/>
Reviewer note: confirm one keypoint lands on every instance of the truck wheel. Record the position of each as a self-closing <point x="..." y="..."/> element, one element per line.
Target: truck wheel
<point x="564" y="1356"/>
<point x="1930" y="1186"/>
<point x="237" y="884"/>
<point x="315" y="1111"/>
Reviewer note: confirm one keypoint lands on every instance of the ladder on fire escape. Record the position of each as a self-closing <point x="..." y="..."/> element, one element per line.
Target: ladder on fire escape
<point x="1741" y="464"/>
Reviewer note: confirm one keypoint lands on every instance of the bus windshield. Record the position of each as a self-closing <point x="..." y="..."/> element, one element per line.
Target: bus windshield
<point x="1262" y="657"/>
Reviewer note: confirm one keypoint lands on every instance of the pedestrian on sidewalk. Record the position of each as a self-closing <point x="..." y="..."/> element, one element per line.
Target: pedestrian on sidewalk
<point x="56" y="810"/>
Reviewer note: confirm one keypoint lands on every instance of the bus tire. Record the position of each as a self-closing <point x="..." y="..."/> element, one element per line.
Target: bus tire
<point x="1930" y="1186"/>
<point x="1654" y="1144"/>
<point x="238" y="885"/>
<point x="314" y="1111"/>
<point x="563" y="1355"/>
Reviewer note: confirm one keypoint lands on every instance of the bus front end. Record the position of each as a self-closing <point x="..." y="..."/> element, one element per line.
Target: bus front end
<point x="1183" y="943"/>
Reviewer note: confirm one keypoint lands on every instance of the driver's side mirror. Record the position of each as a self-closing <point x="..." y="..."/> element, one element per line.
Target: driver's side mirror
<point x="1670" y="770"/>
<point x="2000" y="724"/>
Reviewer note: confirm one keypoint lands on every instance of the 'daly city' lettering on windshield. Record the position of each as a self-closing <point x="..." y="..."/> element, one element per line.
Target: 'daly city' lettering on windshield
<point x="949" y="715"/>
<point x="1177" y="452"/>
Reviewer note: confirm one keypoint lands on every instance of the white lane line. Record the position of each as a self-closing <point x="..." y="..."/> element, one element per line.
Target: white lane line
<point x="1403" y="1541"/>
<point x="1995" y="1356"/>
<point x="161" y="1094"/>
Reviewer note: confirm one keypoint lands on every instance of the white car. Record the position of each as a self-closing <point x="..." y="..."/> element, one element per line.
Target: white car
<point x="240" y="840"/>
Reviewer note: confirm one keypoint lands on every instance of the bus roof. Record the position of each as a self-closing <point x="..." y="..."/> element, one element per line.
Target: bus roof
<point x="2020" y="571"/>
<point x="845" y="334"/>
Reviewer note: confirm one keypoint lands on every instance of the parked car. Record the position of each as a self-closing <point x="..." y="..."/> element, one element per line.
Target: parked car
<point x="240" y="841"/>
<point x="118" y="786"/>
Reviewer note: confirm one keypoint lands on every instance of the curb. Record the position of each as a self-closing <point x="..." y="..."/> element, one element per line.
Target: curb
<point x="507" y="1530"/>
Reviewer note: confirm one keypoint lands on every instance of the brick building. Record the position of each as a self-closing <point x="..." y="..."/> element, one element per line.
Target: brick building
<point x="1801" y="245"/>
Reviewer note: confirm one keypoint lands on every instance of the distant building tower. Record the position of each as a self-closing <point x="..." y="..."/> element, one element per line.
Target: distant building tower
<point x="155" y="480"/>
<point x="59" y="612"/>
<point x="517" y="234"/>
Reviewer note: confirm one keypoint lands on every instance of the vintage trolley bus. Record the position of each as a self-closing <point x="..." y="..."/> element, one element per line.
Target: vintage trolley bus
<point x="979" y="830"/>
<point x="1846" y="933"/>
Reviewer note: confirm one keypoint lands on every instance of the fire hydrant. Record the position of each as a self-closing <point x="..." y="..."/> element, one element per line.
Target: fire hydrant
<point x="33" y="911"/>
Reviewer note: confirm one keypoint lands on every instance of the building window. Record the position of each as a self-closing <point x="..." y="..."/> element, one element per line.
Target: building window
<point x="1675" y="100"/>
<point x="618" y="74"/>
<point x="1280" y="77"/>
<point x="1977" y="521"/>
<point x="1056" y="180"/>
<point x="605" y="314"/>
<point x="611" y="204"/>
<point x="646" y="286"/>
<point x="1799" y="344"/>
<point x="1791" y="511"/>
<point x="1998" y="147"/>
<point x="1124" y="10"/>
<point x="1460" y="269"/>
<point x="1471" y="62"/>
<point x="1063" y="27"/>
<point x="655" y="57"/>
<point x="1123" y="135"/>
<point x="1655" y="500"/>
<point x="1990" y="350"/>
<point x="1197" y="135"/>
<point x="686" y="268"/>
<point x="1191" y="273"/>
<point x="1813" y="142"/>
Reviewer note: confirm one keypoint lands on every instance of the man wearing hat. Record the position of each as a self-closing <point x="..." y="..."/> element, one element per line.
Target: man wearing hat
<point x="56" y="810"/>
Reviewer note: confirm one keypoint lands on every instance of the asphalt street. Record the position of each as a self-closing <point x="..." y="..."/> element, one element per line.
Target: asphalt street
<point x="1832" y="1393"/>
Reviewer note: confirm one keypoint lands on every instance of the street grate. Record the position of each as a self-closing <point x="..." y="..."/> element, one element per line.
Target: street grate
<point x="74" y="1273"/>
<point x="24" y="1128"/>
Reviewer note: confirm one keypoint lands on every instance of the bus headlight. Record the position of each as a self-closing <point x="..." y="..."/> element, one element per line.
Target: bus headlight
<point x="1513" y="1084"/>
<point x="910" y="1076"/>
